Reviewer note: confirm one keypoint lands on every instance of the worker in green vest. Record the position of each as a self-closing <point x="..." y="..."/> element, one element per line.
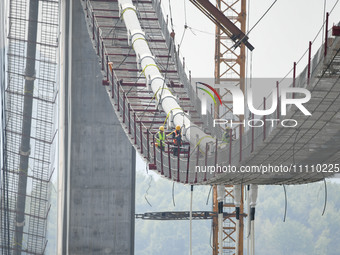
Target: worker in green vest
<point x="160" y="138"/>
<point x="226" y="135"/>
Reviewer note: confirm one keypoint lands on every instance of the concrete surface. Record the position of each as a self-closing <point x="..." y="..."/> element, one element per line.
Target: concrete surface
<point x="101" y="179"/>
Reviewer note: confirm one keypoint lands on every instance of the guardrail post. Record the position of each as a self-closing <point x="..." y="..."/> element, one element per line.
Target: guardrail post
<point x="309" y="61"/>
<point x="93" y="28"/>
<point x="98" y="43"/>
<point x="326" y="33"/>
<point x="134" y="126"/>
<point x="188" y="164"/>
<point x="123" y="107"/>
<point x="118" y="95"/>
<point x="103" y="55"/>
<point x="107" y="68"/>
<point x="206" y="161"/>
<point x="169" y="157"/>
<point x="161" y="148"/>
<point x="240" y="143"/>
<point x="154" y="150"/>
<point x="141" y="137"/>
<point x="216" y="154"/>
<point x="147" y="144"/>
<point x="178" y="162"/>
<point x="294" y="76"/>
<point x="278" y="100"/>
<point x="113" y="86"/>
<point x="87" y="10"/>
<point x="129" y="113"/>
<point x="230" y="144"/>
<point x="197" y="158"/>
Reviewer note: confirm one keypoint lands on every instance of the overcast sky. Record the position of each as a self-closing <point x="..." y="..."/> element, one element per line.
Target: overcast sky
<point x="279" y="39"/>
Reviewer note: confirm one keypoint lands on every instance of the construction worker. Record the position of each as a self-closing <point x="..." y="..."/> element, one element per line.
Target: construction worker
<point x="226" y="135"/>
<point x="177" y="139"/>
<point x="160" y="138"/>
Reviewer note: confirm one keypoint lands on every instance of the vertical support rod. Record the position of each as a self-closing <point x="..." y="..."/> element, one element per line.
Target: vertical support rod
<point x="93" y="28"/>
<point x="141" y="137"/>
<point x="169" y="158"/>
<point x="216" y="153"/>
<point x="309" y="61"/>
<point x="197" y="158"/>
<point x="113" y="86"/>
<point x="264" y="119"/>
<point x="124" y="99"/>
<point x="278" y="100"/>
<point x="188" y="164"/>
<point x="326" y="33"/>
<point x="118" y="95"/>
<point x="25" y="147"/>
<point x="98" y="43"/>
<point x="129" y="113"/>
<point x="240" y="143"/>
<point x="107" y="68"/>
<point x="154" y="150"/>
<point x="134" y="127"/>
<point x="252" y="135"/>
<point x="230" y="144"/>
<point x="147" y="144"/>
<point x="178" y="162"/>
<point x="190" y="218"/>
<point x="294" y="77"/>
<point x="206" y="161"/>
<point x="161" y="149"/>
<point x="103" y="56"/>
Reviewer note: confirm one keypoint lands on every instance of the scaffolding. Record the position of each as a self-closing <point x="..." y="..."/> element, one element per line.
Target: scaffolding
<point x="140" y="115"/>
<point x="30" y="108"/>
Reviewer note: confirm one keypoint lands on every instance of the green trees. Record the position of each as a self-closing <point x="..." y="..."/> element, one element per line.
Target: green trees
<point x="305" y="231"/>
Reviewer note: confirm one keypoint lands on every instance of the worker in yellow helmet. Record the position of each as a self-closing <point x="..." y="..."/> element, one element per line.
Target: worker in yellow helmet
<point x="177" y="139"/>
<point x="226" y="135"/>
<point x="160" y="138"/>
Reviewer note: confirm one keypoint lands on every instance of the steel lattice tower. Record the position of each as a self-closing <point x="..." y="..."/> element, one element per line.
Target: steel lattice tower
<point x="229" y="68"/>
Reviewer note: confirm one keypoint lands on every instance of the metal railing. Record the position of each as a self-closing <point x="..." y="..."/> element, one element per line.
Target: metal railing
<point x="183" y="168"/>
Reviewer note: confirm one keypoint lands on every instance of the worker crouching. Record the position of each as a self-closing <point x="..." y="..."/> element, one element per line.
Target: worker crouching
<point x="177" y="140"/>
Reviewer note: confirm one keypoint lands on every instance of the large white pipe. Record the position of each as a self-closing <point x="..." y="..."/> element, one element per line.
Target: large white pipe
<point x="154" y="78"/>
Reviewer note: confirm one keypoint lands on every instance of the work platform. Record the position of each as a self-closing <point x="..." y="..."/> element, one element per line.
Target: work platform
<point x="313" y="141"/>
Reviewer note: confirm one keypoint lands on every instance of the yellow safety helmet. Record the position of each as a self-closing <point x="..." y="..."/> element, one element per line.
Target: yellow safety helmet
<point x="178" y="127"/>
<point x="161" y="128"/>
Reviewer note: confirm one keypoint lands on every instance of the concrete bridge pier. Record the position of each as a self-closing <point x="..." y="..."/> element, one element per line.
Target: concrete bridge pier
<point x="96" y="186"/>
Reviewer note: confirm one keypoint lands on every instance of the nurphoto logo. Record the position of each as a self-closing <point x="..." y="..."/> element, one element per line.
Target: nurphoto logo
<point x="239" y="101"/>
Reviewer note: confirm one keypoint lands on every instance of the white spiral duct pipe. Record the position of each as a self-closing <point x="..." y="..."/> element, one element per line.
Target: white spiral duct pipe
<point x="146" y="60"/>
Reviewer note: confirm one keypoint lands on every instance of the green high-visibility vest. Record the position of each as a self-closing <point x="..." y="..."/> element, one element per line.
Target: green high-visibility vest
<point x="160" y="138"/>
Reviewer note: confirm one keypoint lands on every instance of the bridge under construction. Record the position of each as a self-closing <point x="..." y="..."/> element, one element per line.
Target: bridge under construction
<point x="89" y="83"/>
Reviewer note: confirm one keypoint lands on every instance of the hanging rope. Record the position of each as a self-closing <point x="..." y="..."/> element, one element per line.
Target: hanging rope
<point x="209" y="195"/>
<point x="285" y="214"/>
<point x="326" y="194"/>
<point x="258" y="21"/>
